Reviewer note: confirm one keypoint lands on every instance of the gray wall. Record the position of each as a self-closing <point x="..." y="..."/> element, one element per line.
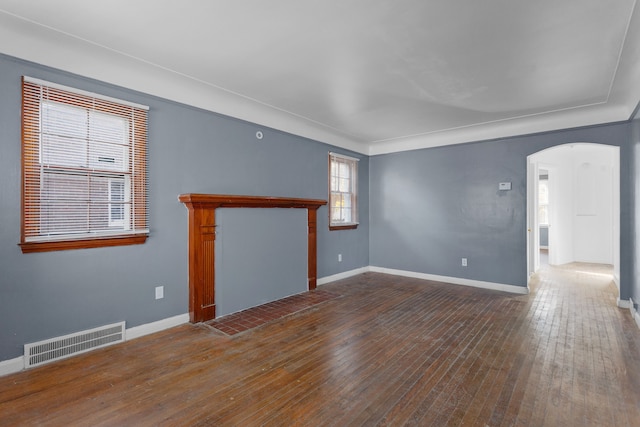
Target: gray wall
<point x="43" y="295"/>
<point x="544" y="236"/>
<point x="274" y="242"/>
<point x="429" y="208"/>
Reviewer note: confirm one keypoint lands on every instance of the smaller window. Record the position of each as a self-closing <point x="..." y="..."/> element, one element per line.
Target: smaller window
<point x="343" y="192"/>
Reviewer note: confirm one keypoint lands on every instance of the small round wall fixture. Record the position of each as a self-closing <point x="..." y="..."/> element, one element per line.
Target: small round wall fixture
<point x="259" y="134"/>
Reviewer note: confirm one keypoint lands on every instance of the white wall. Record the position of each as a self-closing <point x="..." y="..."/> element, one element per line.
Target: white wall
<point x="581" y="181"/>
<point x="593" y="214"/>
<point x="561" y="235"/>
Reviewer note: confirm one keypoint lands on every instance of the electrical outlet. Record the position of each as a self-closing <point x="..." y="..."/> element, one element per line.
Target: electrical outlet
<point x="159" y="292"/>
<point x="339" y="257"/>
<point x="464" y="262"/>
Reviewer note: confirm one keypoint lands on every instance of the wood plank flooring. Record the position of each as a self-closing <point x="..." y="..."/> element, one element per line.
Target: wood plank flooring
<point x="391" y="351"/>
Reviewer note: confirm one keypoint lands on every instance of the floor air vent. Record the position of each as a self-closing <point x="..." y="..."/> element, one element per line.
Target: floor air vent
<point x="59" y="348"/>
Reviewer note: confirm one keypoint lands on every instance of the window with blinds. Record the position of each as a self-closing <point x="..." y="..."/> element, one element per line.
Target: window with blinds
<point x="343" y="192"/>
<point x="84" y="169"/>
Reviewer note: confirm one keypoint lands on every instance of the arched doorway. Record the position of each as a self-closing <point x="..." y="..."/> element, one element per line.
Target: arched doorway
<point x="584" y="205"/>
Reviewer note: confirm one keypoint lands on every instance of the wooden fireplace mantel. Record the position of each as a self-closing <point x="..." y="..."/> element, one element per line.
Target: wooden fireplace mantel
<point x="202" y="235"/>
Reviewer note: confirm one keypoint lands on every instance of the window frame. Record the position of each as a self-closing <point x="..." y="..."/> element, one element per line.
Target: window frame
<point x="35" y="94"/>
<point x="352" y="162"/>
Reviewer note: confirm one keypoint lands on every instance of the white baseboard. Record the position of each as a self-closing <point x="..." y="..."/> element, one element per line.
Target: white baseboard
<point x="160" y="325"/>
<point x="623" y="303"/>
<point x="632" y="309"/>
<point x="454" y="280"/>
<point x="343" y="275"/>
<point x="12" y="366"/>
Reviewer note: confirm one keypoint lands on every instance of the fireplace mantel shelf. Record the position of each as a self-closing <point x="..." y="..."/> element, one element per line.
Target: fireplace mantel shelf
<point x="234" y="201"/>
<point x="202" y="236"/>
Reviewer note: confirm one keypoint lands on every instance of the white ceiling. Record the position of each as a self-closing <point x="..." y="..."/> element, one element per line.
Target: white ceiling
<point x="374" y="76"/>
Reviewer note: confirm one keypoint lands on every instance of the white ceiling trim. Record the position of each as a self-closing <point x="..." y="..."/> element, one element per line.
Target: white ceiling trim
<point x="588" y="116"/>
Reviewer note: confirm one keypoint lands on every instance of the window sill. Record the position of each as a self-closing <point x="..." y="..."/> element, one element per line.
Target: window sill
<point x="343" y="227"/>
<point x="63" y="245"/>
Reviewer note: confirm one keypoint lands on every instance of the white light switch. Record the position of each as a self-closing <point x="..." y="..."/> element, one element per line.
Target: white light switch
<point x="504" y="186"/>
<point x="159" y="292"/>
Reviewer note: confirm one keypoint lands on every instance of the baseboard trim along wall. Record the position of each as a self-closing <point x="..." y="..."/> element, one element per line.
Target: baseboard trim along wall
<point x="343" y="275"/>
<point x="18" y="364"/>
<point x="623" y="303"/>
<point x="160" y="325"/>
<point x="634" y="311"/>
<point x="11" y="366"/>
<point x="453" y="280"/>
<point x="446" y="279"/>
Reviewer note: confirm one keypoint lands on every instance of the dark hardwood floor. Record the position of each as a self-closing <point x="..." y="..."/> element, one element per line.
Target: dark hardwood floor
<point x="389" y="351"/>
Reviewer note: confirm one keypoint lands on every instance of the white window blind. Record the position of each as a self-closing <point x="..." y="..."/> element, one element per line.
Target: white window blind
<point x="84" y="165"/>
<point x="343" y="176"/>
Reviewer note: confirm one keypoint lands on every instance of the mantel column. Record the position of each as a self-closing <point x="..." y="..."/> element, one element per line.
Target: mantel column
<point x="312" y="248"/>
<point x="202" y="236"/>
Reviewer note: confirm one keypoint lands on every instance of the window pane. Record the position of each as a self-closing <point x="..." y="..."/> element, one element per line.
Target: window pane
<point x="335" y="214"/>
<point x="116" y="203"/>
<point x="341" y="207"/>
<point x="63" y="120"/>
<point x="64" y="217"/>
<point x="543" y="201"/>
<point x="107" y="128"/>
<point x="543" y="214"/>
<point x="64" y="203"/>
<point x="64" y="187"/>
<point x="343" y="170"/>
<point x="101" y="204"/>
<point x="343" y="185"/>
<point x="543" y="192"/>
<point x="107" y="157"/>
<point x="61" y="151"/>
